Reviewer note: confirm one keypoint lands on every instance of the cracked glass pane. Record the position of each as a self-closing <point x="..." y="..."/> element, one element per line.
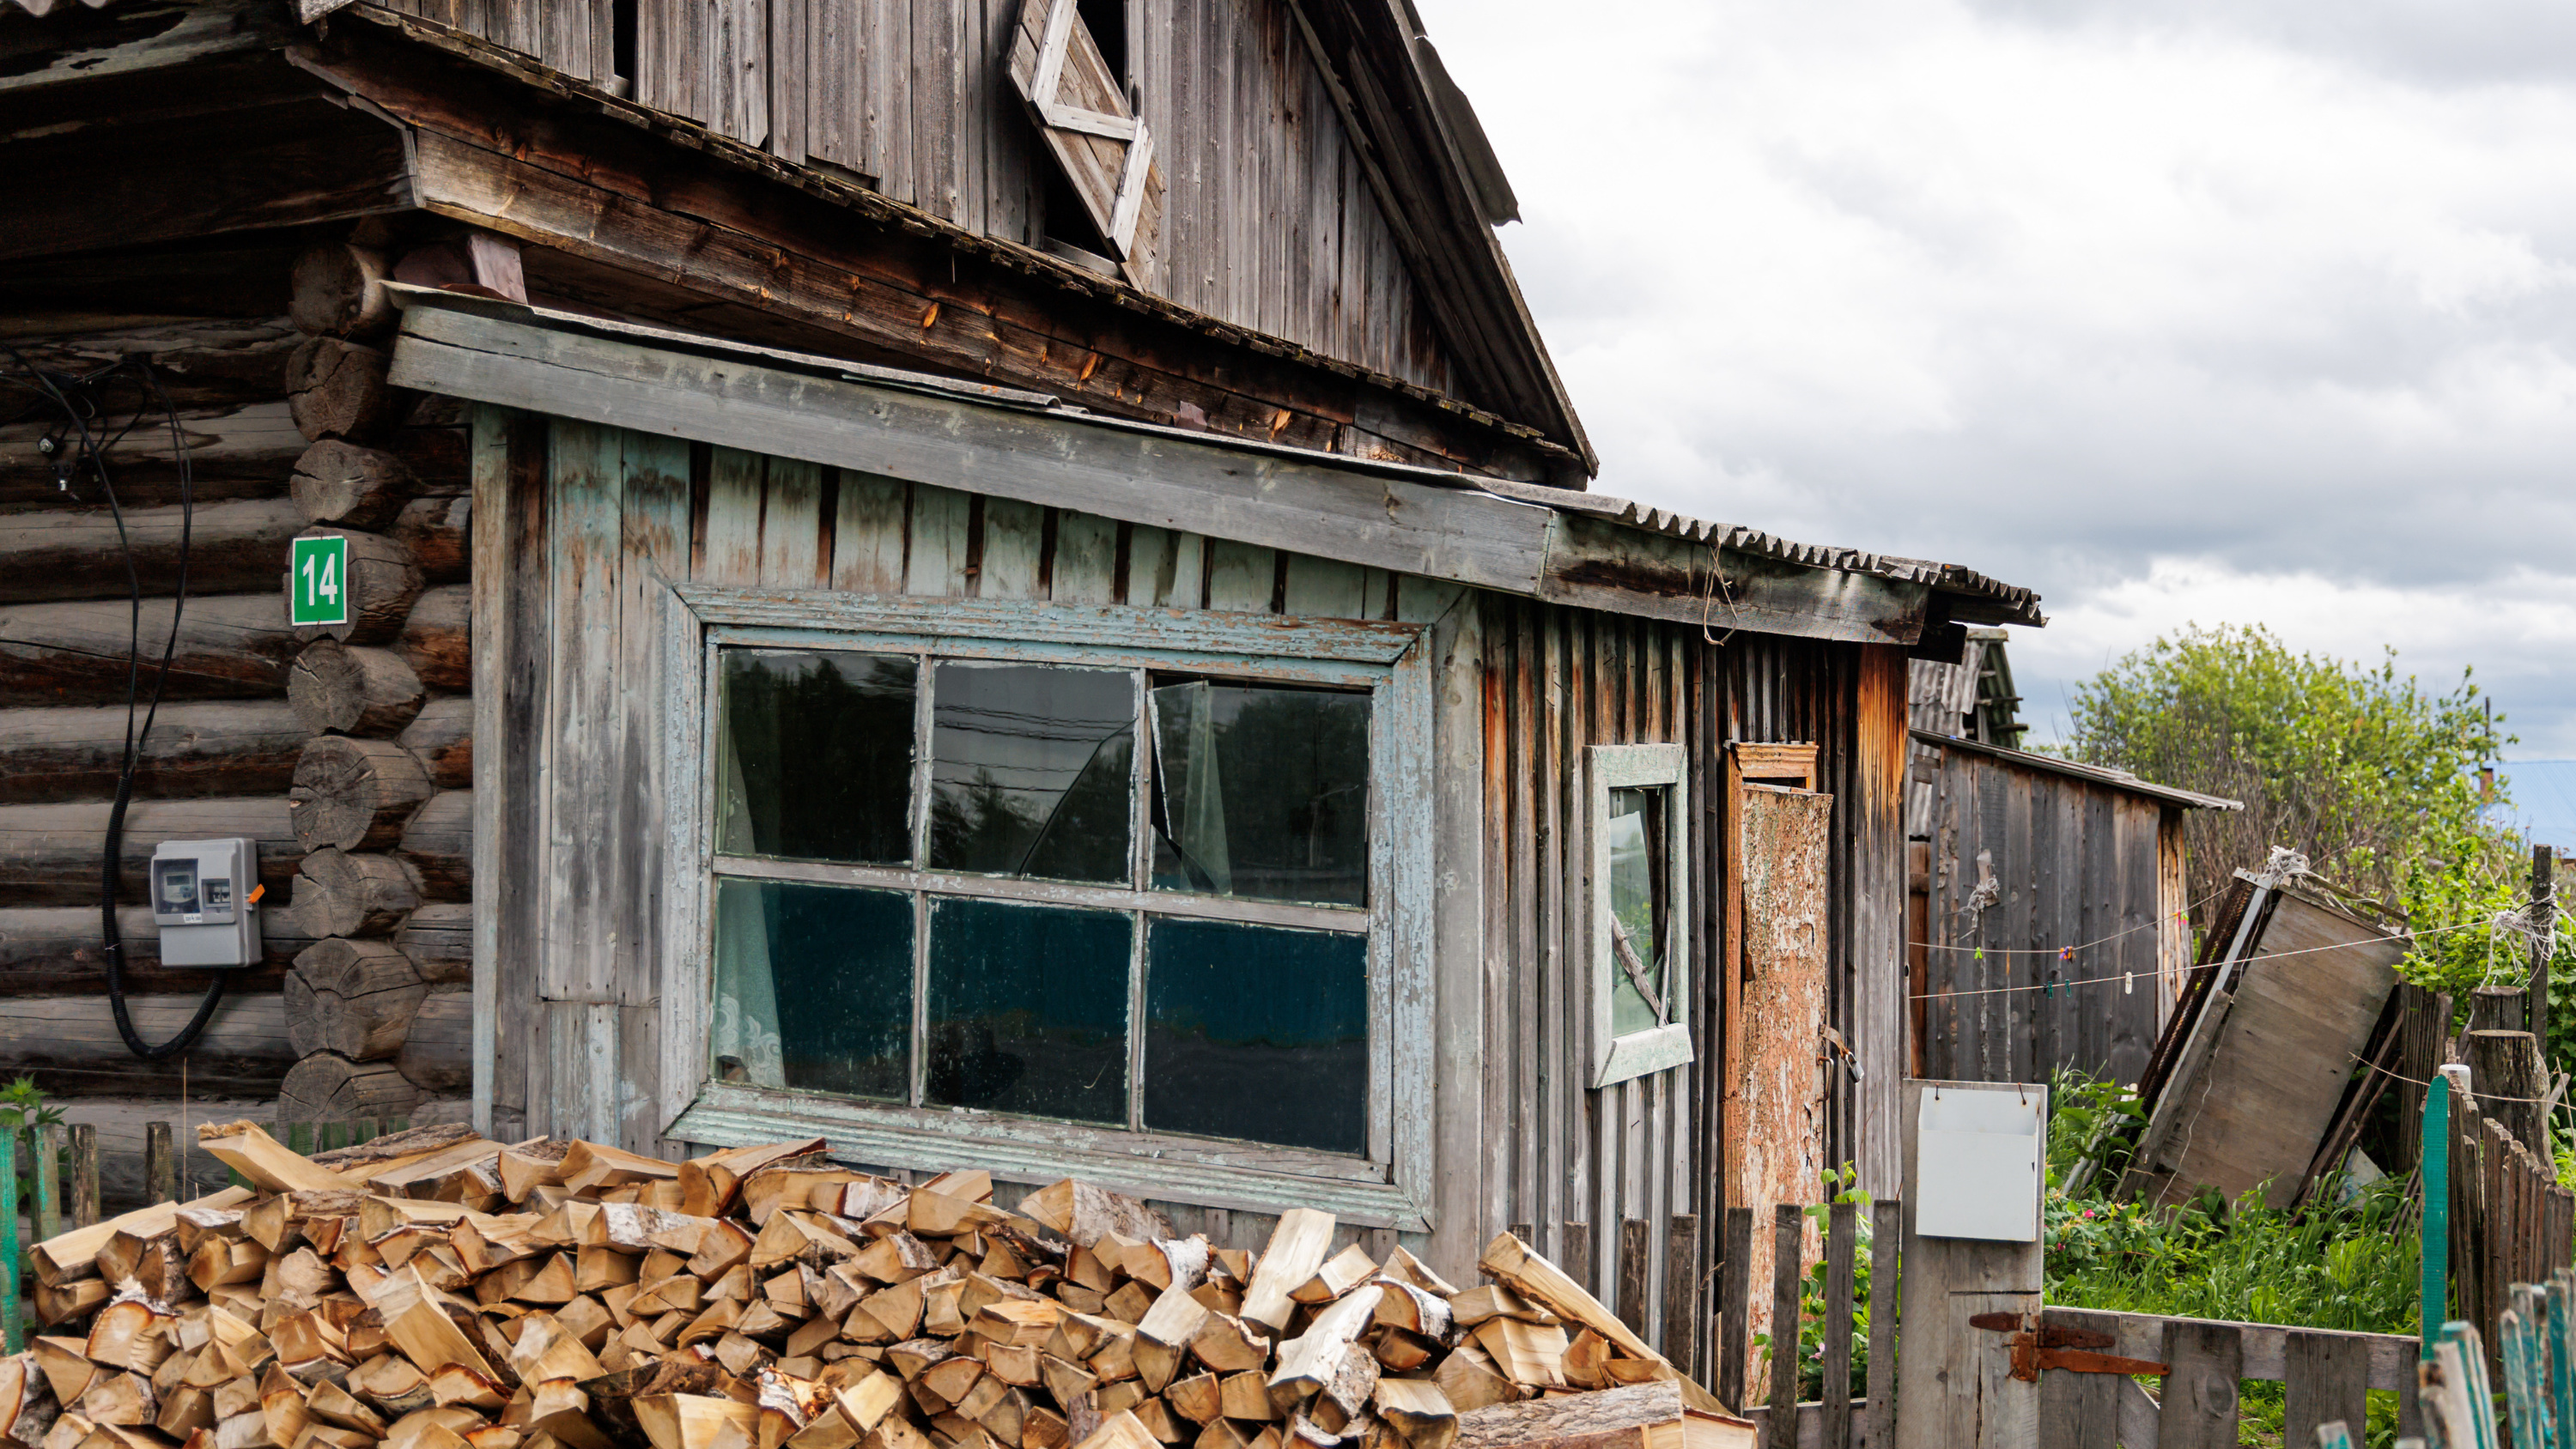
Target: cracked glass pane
<point x="1031" y="770"/>
<point x="1261" y="791"/>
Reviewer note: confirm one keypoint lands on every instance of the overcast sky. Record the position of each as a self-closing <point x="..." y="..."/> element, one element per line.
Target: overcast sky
<point x="2215" y="310"/>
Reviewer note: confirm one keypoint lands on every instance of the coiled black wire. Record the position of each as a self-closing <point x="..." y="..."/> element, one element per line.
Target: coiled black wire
<point x="75" y="400"/>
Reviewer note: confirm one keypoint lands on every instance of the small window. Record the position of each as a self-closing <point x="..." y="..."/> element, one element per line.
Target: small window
<point x="931" y="893"/>
<point x="1640" y="957"/>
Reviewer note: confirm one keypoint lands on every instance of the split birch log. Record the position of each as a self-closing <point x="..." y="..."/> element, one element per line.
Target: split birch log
<point x="353" y="794"/>
<point x="355" y="998"/>
<point x="1596" y="1419"/>
<point x="341" y="483"/>
<point x="337" y="389"/>
<point x="439" y="939"/>
<point x="340" y="894"/>
<point x="381" y="585"/>
<point x="339" y="289"/>
<point x="231" y="646"/>
<point x="440" y="534"/>
<point x="439" y="843"/>
<point x="436" y="638"/>
<point x="217" y="748"/>
<point x="327" y="1088"/>
<point x="76" y="553"/>
<point x="1510" y="1261"/>
<point x="1296" y="1249"/>
<point x="443" y="738"/>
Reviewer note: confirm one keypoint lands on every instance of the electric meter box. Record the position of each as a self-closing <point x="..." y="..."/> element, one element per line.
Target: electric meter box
<point x="201" y="893"/>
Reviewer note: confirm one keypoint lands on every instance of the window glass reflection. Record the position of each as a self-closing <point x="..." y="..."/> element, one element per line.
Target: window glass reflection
<point x="840" y="961"/>
<point x="1257" y="1032"/>
<point x="1261" y="791"/>
<point x="815" y="755"/>
<point x="1028" y="1010"/>
<point x="1637" y="927"/>
<point x="1031" y="771"/>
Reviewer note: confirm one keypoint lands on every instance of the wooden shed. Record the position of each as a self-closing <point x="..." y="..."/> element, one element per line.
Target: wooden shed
<point x="1006" y="582"/>
<point x="2051" y="928"/>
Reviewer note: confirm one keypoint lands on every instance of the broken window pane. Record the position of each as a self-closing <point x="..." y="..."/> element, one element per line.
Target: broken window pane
<point x="842" y="959"/>
<point x="1028" y="1009"/>
<point x="815" y="758"/>
<point x="1031" y="771"/>
<point x="1257" y="1032"/>
<point x="1261" y="791"/>
<point x="1637" y="924"/>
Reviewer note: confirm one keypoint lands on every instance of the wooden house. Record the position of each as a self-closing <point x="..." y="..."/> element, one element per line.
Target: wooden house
<point x="1005" y="581"/>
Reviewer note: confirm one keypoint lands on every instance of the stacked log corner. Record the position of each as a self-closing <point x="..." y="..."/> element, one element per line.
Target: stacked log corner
<point x="381" y="796"/>
<point x="434" y="1290"/>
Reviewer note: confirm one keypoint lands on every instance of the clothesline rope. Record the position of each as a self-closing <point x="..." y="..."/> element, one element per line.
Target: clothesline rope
<point x="2052" y="986"/>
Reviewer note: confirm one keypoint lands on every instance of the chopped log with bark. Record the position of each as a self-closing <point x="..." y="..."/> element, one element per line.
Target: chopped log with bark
<point x="382" y="583"/>
<point x="338" y="689"/>
<point x="353" y="794"/>
<point x="327" y="1088"/>
<point x="439" y="843"/>
<point x="339" y="290"/>
<point x="342" y="894"/>
<point x="435" y="638"/>
<point x="353" y="487"/>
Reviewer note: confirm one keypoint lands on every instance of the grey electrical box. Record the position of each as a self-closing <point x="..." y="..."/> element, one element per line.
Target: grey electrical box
<point x="201" y="900"/>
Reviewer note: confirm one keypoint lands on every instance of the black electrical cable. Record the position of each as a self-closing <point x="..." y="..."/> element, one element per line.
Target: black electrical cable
<point x="93" y="452"/>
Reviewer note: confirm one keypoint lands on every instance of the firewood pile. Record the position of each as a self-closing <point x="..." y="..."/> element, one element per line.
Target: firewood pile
<point x="434" y="1290"/>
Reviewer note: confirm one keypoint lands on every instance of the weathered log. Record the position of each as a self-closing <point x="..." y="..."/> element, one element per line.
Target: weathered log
<point x="339" y="689"/>
<point x="2510" y="1080"/>
<point x="337" y="389"/>
<point x="382" y="583"/>
<point x="340" y="483"/>
<point x="340" y="290"/>
<point x="439" y="843"/>
<point x="438" y="1055"/>
<point x="355" y="794"/>
<point x="356" y="998"/>
<point x="216" y="748"/>
<point x="1574" y="1416"/>
<point x="235" y="450"/>
<point x="199" y="361"/>
<point x="231" y="646"/>
<point x="439" y="533"/>
<point x="436" y="638"/>
<point x="57" y="951"/>
<point x="340" y="894"/>
<point x="77" y="553"/>
<point x="439" y="939"/>
<point x="443" y="737"/>
<point x="49" y="854"/>
<point x="70" y="1043"/>
<point x="326" y="1088"/>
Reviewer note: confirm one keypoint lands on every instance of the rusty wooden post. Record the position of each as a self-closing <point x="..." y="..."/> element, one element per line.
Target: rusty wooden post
<point x="1681" y="1292"/>
<point x="160" y="1172"/>
<point x="1636" y="1260"/>
<point x="1734" y="1298"/>
<point x="1788" y="1231"/>
<point x="84" y="1174"/>
<point x="1842" y="1223"/>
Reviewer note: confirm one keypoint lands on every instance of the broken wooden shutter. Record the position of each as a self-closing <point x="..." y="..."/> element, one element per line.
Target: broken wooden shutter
<point x="1105" y="149"/>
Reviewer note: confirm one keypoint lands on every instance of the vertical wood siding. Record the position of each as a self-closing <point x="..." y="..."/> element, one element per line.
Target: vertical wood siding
<point x="1555" y="682"/>
<point x="2076" y="865"/>
<point x="1269" y="221"/>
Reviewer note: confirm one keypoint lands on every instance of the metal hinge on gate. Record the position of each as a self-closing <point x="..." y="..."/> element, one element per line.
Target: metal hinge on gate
<point x="2038" y="1346"/>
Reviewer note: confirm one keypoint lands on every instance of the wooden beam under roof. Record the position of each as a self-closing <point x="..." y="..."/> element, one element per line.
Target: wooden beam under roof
<point x="1025" y="446"/>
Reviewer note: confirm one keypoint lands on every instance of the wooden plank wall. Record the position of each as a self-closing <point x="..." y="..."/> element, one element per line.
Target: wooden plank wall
<point x="594" y="518"/>
<point x="1557" y="680"/>
<point x="2074" y="863"/>
<point x="1270" y="221"/>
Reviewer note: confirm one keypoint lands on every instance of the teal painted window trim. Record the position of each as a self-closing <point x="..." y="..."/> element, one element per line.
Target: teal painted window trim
<point x="1607" y="768"/>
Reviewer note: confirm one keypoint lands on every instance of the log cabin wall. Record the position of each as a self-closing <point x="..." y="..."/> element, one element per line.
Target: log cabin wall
<point x="1269" y="221"/>
<point x="1574" y="1163"/>
<point x="288" y="424"/>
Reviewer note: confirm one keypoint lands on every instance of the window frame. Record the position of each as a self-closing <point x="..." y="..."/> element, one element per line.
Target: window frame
<point x="1390" y="1184"/>
<point x="1618" y="1059"/>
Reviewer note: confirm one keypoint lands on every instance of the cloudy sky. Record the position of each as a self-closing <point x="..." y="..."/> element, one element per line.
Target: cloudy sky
<point x="2215" y="310"/>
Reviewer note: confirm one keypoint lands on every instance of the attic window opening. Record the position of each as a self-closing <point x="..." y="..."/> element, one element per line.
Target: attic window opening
<point x="621" y="46"/>
<point x="1107" y="22"/>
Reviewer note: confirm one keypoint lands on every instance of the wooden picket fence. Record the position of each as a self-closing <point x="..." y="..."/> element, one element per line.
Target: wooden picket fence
<point x="2511" y="1223"/>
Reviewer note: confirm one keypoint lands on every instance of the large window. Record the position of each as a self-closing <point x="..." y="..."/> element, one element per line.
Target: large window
<point x="1109" y="895"/>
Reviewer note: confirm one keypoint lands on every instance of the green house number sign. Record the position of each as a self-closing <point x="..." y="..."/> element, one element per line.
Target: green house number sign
<point x="318" y="582"/>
